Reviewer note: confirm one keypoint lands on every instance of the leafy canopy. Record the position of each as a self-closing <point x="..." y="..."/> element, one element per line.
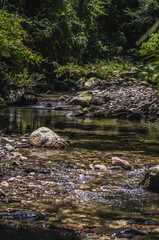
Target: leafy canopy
<point x="15" y="57"/>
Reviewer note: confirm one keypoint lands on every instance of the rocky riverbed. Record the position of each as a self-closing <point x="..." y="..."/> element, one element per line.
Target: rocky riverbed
<point x="121" y="96"/>
<point x="77" y="191"/>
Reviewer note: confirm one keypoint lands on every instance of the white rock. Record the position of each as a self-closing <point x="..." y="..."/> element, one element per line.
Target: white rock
<point x="4" y="184"/>
<point x="9" y="147"/>
<point x="45" y="137"/>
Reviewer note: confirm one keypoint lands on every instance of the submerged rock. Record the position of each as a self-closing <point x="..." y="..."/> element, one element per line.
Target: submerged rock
<point x="49" y="104"/>
<point x="151" y="180"/>
<point x="68" y="107"/>
<point x="67" y="227"/>
<point x="9" y="147"/>
<point x="2" y="193"/>
<point x="121" y="163"/>
<point x="45" y="137"/>
<point x="25" y="216"/>
<point x="28" y="99"/>
<point x="101" y="167"/>
<point x="74" y="114"/>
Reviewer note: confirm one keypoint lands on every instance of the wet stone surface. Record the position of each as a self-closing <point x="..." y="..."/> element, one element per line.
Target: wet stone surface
<point x="77" y="193"/>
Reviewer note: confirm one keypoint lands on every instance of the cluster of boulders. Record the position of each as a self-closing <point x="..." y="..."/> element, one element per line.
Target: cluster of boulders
<point x="17" y="95"/>
<point x="121" y="96"/>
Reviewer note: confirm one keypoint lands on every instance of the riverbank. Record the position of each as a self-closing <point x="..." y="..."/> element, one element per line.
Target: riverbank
<point x="120" y="96"/>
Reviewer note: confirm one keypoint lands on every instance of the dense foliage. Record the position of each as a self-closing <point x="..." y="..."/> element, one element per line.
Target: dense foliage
<point x="17" y="61"/>
<point x="35" y="34"/>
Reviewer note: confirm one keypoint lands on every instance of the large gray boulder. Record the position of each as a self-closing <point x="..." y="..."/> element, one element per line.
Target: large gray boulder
<point x="14" y="93"/>
<point x="45" y="137"/>
<point x="17" y="95"/>
<point x="151" y="180"/>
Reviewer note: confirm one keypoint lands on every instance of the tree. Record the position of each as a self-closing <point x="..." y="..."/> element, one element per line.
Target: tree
<point x="17" y="60"/>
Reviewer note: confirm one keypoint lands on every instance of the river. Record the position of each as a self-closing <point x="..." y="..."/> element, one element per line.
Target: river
<point x="80" y="200"/>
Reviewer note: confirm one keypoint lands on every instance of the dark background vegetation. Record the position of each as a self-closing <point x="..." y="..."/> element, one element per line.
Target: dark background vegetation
<point x="38" y="36"/>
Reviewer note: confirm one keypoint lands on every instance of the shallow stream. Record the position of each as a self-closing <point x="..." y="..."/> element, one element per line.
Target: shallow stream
<point x="79" y="200"/>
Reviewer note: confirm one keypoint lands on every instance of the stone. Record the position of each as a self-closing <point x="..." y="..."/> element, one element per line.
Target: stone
<point x="67" y="226"/>
<point x="25" y="216"/>
<point x="14" y="180"/>
<point x="145" y="106"/>
<point x="45" y="137"/>
<point x="15" y="163"/>
<point x="122" y="163"/>
<point x="134" y="116"/>
<point x="48" y="92"/>
<point x="9" y="147"/>
<point x="49" y="104"/>
<point x="78" y="113"/>
<point x="126" y="74"/>
<point x="17" y="95"/>
<point x="151" y="179"/>
<point x="100" y="167"/>
<point x="91" y="74"/>
<point x="64" y="98"/>
<point x="16" y="155"/>
<point x="116" y="73"/>
<point x="4" y="184"/>
<point x="100" y="98"/>
<point x="14" y="94"/>
<point x="24" y="140"/>
<point x="68" y="108"/>
<point x="83" y="99"/>
<point x="129" y="73"/>
<point x="28" y="99"/>
<point x="2" y="193"/>
<point x="92" y="83"/>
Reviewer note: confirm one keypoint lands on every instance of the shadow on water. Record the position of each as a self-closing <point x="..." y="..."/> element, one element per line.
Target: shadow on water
<point x="11" y="233"/>
<point x="109" y="134"/>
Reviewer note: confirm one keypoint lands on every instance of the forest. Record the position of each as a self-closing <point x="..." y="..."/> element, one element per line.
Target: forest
<point x="40" y="40"/>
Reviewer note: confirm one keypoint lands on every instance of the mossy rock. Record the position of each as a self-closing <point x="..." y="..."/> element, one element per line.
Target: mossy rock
<point x="92" y="83"/>
<point x="151" y="180"/>
<point x="84" y="99"/>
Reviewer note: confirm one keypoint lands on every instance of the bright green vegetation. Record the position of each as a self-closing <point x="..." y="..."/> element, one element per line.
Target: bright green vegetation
<point x="18" y="63"/>
<point x="77" y="34"/>
<point x="103" y="68"/>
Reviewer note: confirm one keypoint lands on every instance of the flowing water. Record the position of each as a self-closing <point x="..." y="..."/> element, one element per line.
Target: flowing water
<point x="80" y="199"/>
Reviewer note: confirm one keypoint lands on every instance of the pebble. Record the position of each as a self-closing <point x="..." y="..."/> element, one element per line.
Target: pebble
<point x="100" y="167"/>
<point x="4" y="184"/>
<point x="24" y="140"/>
<point x="2" y="193"/>
<point x="9" y="147"/>
<point x="121" y="163"/>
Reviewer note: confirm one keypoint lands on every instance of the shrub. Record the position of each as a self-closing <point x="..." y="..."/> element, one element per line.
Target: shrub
<point x="16" y="59"/>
